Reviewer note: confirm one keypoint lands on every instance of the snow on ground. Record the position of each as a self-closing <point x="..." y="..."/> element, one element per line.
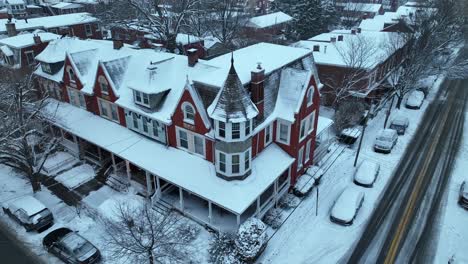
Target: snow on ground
<point x="59" y="160"/>
<point x="453" y="235"/>
<point x="76" y="176"/>
<point x="307" y="238"/>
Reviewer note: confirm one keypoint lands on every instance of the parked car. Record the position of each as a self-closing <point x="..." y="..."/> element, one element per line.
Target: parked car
<point x="349" y="135"/>
<point x="463" y="197"/>
<point x="385" y="140"/>
<point x="415" y="100"/>
<point x="347" y="205"/>
<point x="366" y="173"/>
<point x="399" y="123"/>
<point x="30" y="213"/>
<point x="70" y="247"/>
<point x="424" y="89"/>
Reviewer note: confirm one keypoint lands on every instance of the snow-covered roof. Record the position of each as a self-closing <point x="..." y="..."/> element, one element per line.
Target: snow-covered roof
<point x="197" y="175"/>
<point x="232" y="103"/>
<point x="377" y="47"/>
<point x="26" y="40"/>
<point x="6" y="51"/>
<point x="362" y="7"/>
<point x="269" y="20"/>
<point x="49" y="21"/>
<point x="210" y="42"/>
<point x="323" y="123"/>
<point x="272" y="57"/>
<point x="65" y="5"/>
<point x="29" y="204"/>
<point x="184" y="39"/>
<point x="293" y="86"/>
<point x="15" y="2"/>
<point x="378" y="22"/>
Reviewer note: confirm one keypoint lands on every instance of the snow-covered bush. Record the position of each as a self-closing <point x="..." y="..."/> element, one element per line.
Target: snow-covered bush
<point x="223" y="250"/>
<point x="273" y="218"/>
<point x="251" y="239"/>
<point x="289" y="201"/>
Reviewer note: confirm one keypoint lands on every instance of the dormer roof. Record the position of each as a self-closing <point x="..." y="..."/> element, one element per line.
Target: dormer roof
<point x="232" y="103"/>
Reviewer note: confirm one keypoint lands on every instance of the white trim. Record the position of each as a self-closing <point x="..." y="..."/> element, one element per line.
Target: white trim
<point x="310" y="92"/>
<point x="300" y="158"/>
<point x="142" y="96"/>
<point x="228" y="131"/>
<point x="186" y="118"/>
<point x="76" y="97"/>
<point x="190" y="141"/>
<point x="72" y="78"/>
<point x="110" y="108"/>
<point x="278" y="132"/>
<point x="269" y="129"/>
<point x="228" y="162"/>
<point x="102" y="80"/>
<point x="307" y="153"/>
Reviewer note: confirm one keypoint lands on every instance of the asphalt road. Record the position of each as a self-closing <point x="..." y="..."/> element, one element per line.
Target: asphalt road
<point x="12" y="252"/>
<point x="401" y="227"/>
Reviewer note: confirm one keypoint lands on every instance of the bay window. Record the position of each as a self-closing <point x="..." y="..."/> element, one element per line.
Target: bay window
<point x="268" y="134"/>
<point x="233" y="164"/>
<point x="233" y="131"/>
<point x="221" y="129"/>
<point x="222" y="162"/>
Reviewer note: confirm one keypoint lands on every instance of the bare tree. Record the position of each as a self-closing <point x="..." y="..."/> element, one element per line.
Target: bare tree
<point x="162" y="18"/>
<point x="143" y="235"/>
<point x="25" y="143"/>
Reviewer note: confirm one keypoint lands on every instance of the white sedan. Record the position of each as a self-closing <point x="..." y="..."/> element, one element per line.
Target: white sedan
<point x="415" y="100"/>
<point x="347" y="206"/>
<point x="366" y="173"/>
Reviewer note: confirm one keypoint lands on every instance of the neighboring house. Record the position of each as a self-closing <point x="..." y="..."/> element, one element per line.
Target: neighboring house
<point x="362" y="58"/>
<point x="352" y="13"/>
<point x="81" y="25"/>
<point x="18" y="52"/>
<point x="389" y="21"/>
<point x="17" y="8"/>
<point x="219" y="140"/>
<point x="3" y="12"/>
<point x="63" y="8"/>
<point x="35" y="11"/>
<point x="269" y="27"/>
<point x="325" y="137"/>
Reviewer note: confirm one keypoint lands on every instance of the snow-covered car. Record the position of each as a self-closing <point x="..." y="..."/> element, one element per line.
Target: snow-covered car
<point x="415" y="100"/>
<point x="70" y="247"/>
<point x="385" y="140"/>
<point x="366" y="173"/>
<point x="350" y="135"/>
<point x="399" y="123"/>
<point x="463" y="197"/>
<point x="30" y="213"/>
<point x="346" y="207"/>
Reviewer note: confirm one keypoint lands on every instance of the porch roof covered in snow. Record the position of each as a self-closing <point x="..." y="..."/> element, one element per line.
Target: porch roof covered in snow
<point x="197" y="175"/>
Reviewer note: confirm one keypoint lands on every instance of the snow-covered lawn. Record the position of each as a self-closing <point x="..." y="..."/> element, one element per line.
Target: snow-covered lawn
<point x="453" y="236"/>
<point x="76" y="176"/>
<point x="307" y="238"/>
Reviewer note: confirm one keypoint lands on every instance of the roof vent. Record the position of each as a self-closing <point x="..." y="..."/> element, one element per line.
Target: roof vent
<point x="316" y="48"/>
<point x="152" y="66"/>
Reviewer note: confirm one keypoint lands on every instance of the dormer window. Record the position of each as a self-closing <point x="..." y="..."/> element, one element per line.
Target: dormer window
<point x="104" y="85"/>
<point x="189" y="113"/>
<point x="71" y="74"/>
<point x="141" y="98"/>
<point x="46" y="68"/>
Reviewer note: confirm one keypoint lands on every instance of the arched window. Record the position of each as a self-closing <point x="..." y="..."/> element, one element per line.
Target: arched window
<point x="189" y="113"/>
<point x="71" y="74"/>
<point x="104" y="85"/>
<point x="310" y="96"/>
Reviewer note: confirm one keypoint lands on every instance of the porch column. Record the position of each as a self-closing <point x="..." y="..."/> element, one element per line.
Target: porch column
<point x="257" y="212"/>
<point x="127" y="165"/>
<point x="238" y="220"/>
<point x="113" y="163"/>
<point x="149" y="186"/>
<point x="181" y="201"/>
<point x="158" y="187"/>
<point x="99" y="153"/>
<point x="276" y="192"/>
<point x="210" y="213"/>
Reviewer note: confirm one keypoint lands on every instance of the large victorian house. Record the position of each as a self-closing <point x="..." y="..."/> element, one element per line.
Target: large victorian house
<point x="218" y="140"/>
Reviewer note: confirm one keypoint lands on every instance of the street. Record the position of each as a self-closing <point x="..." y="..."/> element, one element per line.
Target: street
<point x="400" y="228"/>
<point x="11" y="252"/>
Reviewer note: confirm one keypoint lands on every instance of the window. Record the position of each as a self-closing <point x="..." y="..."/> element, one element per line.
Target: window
<point x="145" y="125"/>
<point x="221" y="129"/>
<point x="108" y="110"/>
<point x="247" y="160"/>
<point x="141" y="98"/>
<point x="189" y="113"/>
<point x="191" y="141"/>
<point x="268" y="134"/>
<point x="135" y="120"/>
<point x="76" y="98"/>
<point x="46" y="67"/>
<point x="235" y="163"/>
<point x="311" y="122"/>
<point x="30" y="57"/>
<point x="71" y="74"/>
<point x="155" y="128"/>
<point x="307" y="154"/>
<point x="299" y="158"/>
<point x="303" y="129"/>
<point x="104" y="85"/>
<point x="222" y="162"/>
<point x="310" y="96"/>
<point x="247" y="128"/>
<point x="283" y="131"/>
<point x="235" y="131"/>
<point x="88" y="30"/>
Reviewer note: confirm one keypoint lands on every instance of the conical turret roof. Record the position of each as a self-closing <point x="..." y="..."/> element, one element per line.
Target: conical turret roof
<point x="233" y="103"/>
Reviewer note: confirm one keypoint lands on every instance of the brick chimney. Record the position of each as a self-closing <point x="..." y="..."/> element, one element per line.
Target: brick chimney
<point x="353" y="31"/>
<point x="118" y="43"/>
<point x="192" y="55"/>
<point x="316" y="48"/>
<point x="358" y="30"/>
<point x="37" y="39"/>
<point x="11" y="29"/>
<point x="257" y="89"/>
<point x="333" y="39"/>
<point x="340" y="37"/>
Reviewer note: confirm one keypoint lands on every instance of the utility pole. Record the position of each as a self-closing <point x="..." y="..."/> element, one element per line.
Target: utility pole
<point x="388" y="112"/>
<point x="317" y="202"/>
